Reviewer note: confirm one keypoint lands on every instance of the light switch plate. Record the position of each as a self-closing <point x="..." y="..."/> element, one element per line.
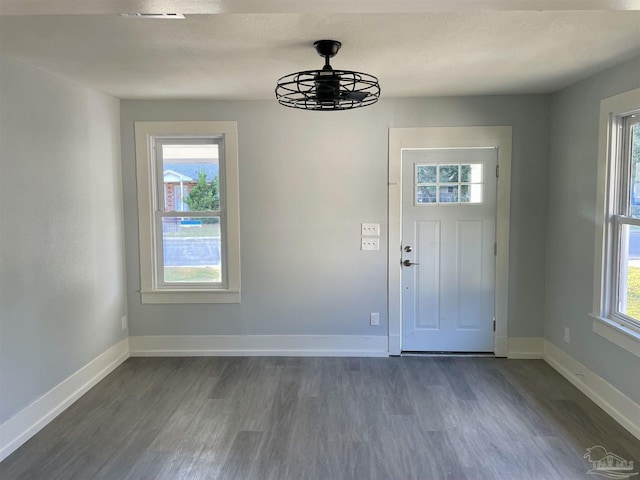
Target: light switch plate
<point x="370" y="230"/>
<point x="370" y="244"/>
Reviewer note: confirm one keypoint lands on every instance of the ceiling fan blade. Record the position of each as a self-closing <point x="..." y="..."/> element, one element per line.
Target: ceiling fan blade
<point x="355" y="96"/>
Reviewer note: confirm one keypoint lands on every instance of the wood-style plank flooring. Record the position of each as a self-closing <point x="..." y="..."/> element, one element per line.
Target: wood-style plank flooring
<point x="324" y="418"/>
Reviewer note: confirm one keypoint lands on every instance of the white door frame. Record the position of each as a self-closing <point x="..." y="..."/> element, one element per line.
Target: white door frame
<point x="449" y="137"/>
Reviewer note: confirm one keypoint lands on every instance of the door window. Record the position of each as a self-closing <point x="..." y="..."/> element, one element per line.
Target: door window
<point x="447" y="183"/>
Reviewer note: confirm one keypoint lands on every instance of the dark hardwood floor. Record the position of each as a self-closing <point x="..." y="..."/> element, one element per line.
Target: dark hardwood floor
<point x="324" y="418"/>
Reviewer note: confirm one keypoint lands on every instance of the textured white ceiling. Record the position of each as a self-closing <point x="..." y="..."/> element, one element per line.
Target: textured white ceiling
<point x="241" y="55"/>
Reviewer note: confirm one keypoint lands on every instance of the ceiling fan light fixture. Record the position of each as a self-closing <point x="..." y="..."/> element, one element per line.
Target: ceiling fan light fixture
<point x="327" y="89"/>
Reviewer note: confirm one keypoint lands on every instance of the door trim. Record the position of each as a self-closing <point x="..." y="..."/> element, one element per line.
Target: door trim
<point x="449" y="137"/>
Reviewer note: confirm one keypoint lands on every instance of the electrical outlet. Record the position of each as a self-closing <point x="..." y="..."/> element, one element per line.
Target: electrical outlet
<point x="374" y="319"/>
<point x="371" y="229"/>
<point x="567" y="335"/>
<point x="370" y="244"/>
<point x="124" y="322"/>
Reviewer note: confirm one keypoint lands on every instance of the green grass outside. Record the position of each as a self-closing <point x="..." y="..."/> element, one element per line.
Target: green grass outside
<point x="191" y="274"/>
<point x="633" y="292"/>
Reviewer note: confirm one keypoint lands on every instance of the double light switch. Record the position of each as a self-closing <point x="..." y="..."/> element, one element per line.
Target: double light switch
<point x="371" y="236"/>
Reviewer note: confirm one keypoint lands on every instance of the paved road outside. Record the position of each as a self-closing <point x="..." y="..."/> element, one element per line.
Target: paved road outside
<point x="191" y="251"/>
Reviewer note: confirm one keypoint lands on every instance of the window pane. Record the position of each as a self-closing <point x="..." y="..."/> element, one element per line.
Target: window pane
<point x="471" y="193"/>
<point x="629" y="286"/>
<point x="190" y="177"/>
<point x="449" y="173"/>
<point x="471" y="173"/>
<point x="449" y="183"/>
<point x="448" y="194"/>
<point x="426" y="174"/>
<point x="635" y="171"/>
<point x="191" y="249"/>
<point x="426" y="194"/>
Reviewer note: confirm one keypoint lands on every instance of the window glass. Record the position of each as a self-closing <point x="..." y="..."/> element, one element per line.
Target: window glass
<point x="448" y="173"/>
<point x="427" y="173"/>
<point x="629" y="272"/>
<point x="426" y="194"/>
<point x="471" y="173"/>
<point x="191" y="250"/>
<point x="634" y="195"/>
<point x="624" y="219"/>
<point x="471" y="193"/>
<point x="192" y="247"/>
<point x="449" y="183"/>
<point x="449" y="194"/>
<point x="190" y="175"/>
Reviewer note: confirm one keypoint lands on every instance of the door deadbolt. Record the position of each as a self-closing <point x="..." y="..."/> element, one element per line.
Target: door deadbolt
<point x="408" y="249"/>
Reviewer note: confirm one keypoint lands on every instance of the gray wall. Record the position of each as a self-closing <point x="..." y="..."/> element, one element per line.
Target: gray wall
<point x="307" y="181"/>
<point x="570" y="242"/>
<point x="61" y="234"/>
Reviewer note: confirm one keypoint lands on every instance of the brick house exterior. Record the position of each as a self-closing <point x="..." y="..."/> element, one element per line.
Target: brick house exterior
<point x="179" y="179"/>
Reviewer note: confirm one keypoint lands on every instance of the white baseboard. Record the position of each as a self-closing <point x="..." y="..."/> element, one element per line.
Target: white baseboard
<point x="29" y="421"/>
<point x="525" y="347"/>
<point x="260" y="345"/>
<point x="624" y="410"/>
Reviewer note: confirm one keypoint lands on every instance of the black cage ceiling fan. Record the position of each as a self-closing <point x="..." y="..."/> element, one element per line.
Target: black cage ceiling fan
<point x="327" y="89"/>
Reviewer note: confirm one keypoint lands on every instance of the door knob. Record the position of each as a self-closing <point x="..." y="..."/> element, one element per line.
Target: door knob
<point x="408" y="263"/>
<point x="408" y="248"/>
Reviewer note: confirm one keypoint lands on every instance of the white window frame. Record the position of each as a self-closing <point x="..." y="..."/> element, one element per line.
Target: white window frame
<point x="617" y="328"/>
<point x="152" y="289"/>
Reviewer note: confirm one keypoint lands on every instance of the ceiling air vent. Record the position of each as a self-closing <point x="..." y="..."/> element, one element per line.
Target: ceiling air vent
<point x="165" y="16"/>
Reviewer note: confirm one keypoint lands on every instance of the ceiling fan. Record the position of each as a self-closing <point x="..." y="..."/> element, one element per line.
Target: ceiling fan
<point x="327" y="89"/>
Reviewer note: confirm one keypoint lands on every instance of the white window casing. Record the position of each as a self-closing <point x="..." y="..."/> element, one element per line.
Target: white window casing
<point x="613" y="186"/>
<point x="149" y="180"/>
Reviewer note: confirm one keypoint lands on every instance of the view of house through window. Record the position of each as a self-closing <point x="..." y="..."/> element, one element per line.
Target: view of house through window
<point x="628" y="220"/>
<point x="191" y="244"/>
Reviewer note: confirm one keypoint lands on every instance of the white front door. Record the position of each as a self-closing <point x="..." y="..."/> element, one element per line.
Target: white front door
<point x="448" y="262"/>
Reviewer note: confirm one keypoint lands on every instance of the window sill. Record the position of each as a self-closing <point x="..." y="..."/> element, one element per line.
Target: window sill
<point x="619" y="334"/>
<point x="190" y="296"/>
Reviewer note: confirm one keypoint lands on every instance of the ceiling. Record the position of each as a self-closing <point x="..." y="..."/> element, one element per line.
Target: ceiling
<point x="237" y="50"/>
